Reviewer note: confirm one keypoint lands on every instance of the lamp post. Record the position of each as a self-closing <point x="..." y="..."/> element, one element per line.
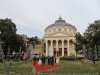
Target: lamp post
<point x="2" y="54"/>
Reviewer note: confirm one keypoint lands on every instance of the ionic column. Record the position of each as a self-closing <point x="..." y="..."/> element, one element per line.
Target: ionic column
<point x="47" y="48"/>
<point x="52" y="47"/>
<point x="62" y="48"/>
<point x="68" y="52"/>
<point x="74" y="50"/>
<point x="56" y="46"/>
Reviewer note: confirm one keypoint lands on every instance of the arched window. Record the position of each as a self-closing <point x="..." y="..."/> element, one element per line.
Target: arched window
<point x="49" y="31"/>
<point x="65" y="29"/>
<point x="59" y="29"/>
<point x="69" y="30"/>
<point x="54" y="30"/>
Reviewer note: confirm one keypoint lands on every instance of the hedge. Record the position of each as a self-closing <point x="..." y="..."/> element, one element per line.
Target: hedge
<point x="70" y="58"/>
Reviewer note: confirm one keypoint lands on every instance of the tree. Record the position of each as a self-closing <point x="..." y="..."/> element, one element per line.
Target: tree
<point x="18" y="42"/>
<point x="9" y="37"/>
<point x="34" y="40"/>
<point x="92" y="33"/>
<point x="78" y="42"/>
<point x="77" y="47"/>
<point x="8" y="30"/>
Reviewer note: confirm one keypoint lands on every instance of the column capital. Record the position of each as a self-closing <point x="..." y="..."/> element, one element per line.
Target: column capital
<point x="67" y="39"/>
<point x="62" y="40"/>
<point x="57" y="40"/>
<point x="51" y="40"/>
<point x="46" y="40"/>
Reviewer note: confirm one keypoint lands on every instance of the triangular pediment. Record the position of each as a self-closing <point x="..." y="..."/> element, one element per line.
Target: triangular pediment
<point x="59" y="34"/>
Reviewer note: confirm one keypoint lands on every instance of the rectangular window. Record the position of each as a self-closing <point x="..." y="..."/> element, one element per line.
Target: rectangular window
<point x="60" y="48"/>
<point x="65" y="49"/>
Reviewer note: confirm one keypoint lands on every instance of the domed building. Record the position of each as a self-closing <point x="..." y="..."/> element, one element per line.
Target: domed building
<point x="59" y="38"/>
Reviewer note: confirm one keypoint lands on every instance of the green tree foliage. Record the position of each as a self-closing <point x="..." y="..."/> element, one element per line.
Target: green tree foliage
<point x="80" y="39"/>
<point x="8" y="36"/>
<point x="92" y="33"/>
<point x="78" y="42"/>
<point x="18" y="42"/>
<point x="34" y="40"/>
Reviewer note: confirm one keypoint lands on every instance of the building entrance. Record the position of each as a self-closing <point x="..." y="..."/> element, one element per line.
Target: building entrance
<point x="65" y="51"/>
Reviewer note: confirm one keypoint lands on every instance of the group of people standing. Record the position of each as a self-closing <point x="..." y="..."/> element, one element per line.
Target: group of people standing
<point x="42" y="60"/>
<point x="50" y="60"/>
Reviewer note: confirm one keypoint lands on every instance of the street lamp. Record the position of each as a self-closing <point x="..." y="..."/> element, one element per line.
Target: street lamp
<point x="2" y="54"/>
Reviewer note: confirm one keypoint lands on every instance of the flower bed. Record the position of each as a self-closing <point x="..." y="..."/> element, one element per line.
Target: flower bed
<point x="40" y="68"/>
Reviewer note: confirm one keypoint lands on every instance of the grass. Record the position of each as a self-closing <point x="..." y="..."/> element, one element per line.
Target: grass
<point x="76" y="67"/>
<point x="17" y="67"/>
<point x="67" y="67"/>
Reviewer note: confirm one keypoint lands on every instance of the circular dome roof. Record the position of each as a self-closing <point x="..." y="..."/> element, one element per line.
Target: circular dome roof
<point x="60" y="22"/>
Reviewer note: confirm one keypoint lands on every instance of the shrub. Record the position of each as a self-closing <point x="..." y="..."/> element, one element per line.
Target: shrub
<point x="70" y="58"/>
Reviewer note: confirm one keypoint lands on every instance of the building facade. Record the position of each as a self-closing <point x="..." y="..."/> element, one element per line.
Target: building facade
<point x="59" y="38"/>
<point x="38" y="48"/>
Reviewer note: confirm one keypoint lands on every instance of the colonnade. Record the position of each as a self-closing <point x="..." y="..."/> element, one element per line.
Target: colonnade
<point x="57" y="48"/>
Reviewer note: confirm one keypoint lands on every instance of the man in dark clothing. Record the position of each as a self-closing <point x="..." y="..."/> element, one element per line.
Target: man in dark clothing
<point x="52" y="60"/>
<point x="49" y="60"/>
<point x="43" y="60"/>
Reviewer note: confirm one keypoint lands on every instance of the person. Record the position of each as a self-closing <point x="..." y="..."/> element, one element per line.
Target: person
<point x="40" y="62"/>
<point x="24" y="56"/>
<point x="48" y="60"/>
<point x="52" y="60"/>
<point x="43" y="60"/>
<point x="55" y="59"/>
<point x="73" y="57"/>
<point x="34" y="61"/>
<point x="13" y="55"/>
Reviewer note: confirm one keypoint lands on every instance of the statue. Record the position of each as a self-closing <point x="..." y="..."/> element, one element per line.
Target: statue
<point x="30" y="48"/>
<point x="57" y="53"/>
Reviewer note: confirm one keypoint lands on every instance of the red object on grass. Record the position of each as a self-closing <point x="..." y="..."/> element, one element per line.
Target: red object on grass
<point x="34" y="63"/>
<point x="40" y="68"/>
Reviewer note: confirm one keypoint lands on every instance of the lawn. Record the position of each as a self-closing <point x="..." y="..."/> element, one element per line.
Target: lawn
<point x="17" y="67"/>
<point x="68" y="67"/>
<point x="84" y="66"/>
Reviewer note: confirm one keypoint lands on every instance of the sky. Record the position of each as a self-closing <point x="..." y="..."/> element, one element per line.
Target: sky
<point x="33" y="16"/>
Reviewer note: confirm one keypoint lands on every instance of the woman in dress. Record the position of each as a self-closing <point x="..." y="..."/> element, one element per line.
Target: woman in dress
<point x="24" y="56"/>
